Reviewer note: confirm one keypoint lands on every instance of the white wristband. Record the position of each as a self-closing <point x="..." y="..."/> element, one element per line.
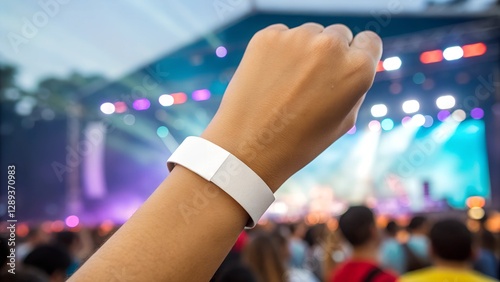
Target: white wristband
<point x="217" y="165"/>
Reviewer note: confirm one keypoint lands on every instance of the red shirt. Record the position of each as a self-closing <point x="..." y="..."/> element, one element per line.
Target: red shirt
<point x="358" y="271"/>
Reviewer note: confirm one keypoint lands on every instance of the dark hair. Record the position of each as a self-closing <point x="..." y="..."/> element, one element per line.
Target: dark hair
<point x="451" y="240"/>
<point x="356" y="225"/>
<point x="237" y="273"/>
<point x="66" y="239"/>
<point x="392" y="228"/>
<point x="417" y="222"/>
<point x="49" y="258"/>
<point x="315" y="234"/>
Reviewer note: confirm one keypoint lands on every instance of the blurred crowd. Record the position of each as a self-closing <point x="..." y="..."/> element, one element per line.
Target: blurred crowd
<point x="355" y="249"/>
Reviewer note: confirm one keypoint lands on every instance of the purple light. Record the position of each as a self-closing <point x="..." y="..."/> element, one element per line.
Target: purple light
<point x="374" y="125"/>
<point x="406" y="121"/>
<point x="201" y="95"/>
<point x="352" y="130"/>
<point x="444" y="114"/>
<point x="221" y="51"/>
<point x="72" y="221"/>
<point x="141" y="104"/>
<point x="477" y="113"/>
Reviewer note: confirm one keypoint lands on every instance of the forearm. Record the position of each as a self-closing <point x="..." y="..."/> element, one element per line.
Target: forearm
<point x="181" y="233"/>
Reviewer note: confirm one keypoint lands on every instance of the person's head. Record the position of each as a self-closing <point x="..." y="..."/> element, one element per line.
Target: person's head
<point x="391" y="229"/>
<point x="25" y="274"/>
<point x="53" y="260"/>
<point x="263" y="256"/>
<point x="419" y="225"/>
<point x="357" y="226"/>
<point x="451" y="241"/>
<point x="37" y="236"/>
<point x="298" y="229"/>
<point x="68" y="240"/>
<point x="237" y="273"/>
<point x="315" y="235"/>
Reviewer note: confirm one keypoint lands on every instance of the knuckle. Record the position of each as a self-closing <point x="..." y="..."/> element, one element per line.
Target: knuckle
<point x="326" y="42"/>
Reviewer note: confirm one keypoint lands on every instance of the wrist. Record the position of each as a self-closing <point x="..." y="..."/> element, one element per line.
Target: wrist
<point x="247" y="150"/>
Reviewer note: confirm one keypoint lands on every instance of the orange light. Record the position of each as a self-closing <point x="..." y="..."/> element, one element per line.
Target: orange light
<point x="475" y="202"/>
<point x="57" y="226"/>
<point x="474" y="50"/>
<point x="179" y="97"/>
<point x="120" y="107"/>
<point x="430" y="57"/>
<point x="22" y="230"/>
<point x="380" y="66"/>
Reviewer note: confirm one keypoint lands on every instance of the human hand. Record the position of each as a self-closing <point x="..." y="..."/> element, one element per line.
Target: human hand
<point x="294" y="93"/>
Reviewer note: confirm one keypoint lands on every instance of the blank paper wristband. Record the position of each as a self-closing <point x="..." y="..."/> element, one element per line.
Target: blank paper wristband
<point x="220" y="167"/>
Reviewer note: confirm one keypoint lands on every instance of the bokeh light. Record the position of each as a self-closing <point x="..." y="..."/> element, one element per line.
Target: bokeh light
<point x="107" y="108"/>
<point x="476" y="213"/>
<point x="221" y="51"/>
<point x="352" y="130"/>
<point x="418" y="120"/>
<point x="387" y="124"/>
<point x="419" y="78"/>
<point x="120" y="107"/>
<point x="445" y="102"/>
<point x="72" y="221"/>
<point x="477" y="113"/>
<point x="201" y="95"/>
<point x="392" y="63"/>
<point x="442" y="115"/>
<point x="411" y="106"/>
<point x="166" y="100"/>
<point x="379" y="110"/>
<point x="428" y="121"/>
<point x="141" y="104"/>
<point x="453" y="53"/>
<point x="129" y="119"/>
<point x="179" y="97"/>
<point x="406" y="121"/>
<point x="459" y="115"/>
<point x="374" y="125"/>
<point x="162" y="131"/>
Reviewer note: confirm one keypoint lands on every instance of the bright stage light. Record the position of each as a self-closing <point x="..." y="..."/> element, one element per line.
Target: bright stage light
<point x="430" y="57"/>
<point x="428" y="121"/>
<point x="162" y="131"/>
<point x="120" y="107"/>
<point x="374" y="125"/>
<point x="201" y="95"/>
<point x="392" y="63"/>
<point x="406" y="122"/>
<point x="379" y="110"/>
<point x="411" y="106"/>
<point x="107" y="108"/>
<point x="443" y="115"/>
<point x="179" y="97"/>
<point x="418" y="120"/>
<point x="141" y="104"/>
<point x="459" y="115"/>
<point x="352" y="130"/>
<point x="477" y="113"/>
<point x="453" y="53"/>
<point x="221" y="51"/>
<point x="166" y="100"/>
<point x="445" y="102"/>
<point x="473" y="50"/>
<point x="475" y="202"/>
<point x="476" y="213"/>
<point x="72" y="221"/>
<point x="387" y="124"/>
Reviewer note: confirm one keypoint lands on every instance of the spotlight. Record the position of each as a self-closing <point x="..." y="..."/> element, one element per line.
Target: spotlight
<point x="162" y="131"/>
<point x="453" y="53"/>
<point x="179" y="97"/>
<point x="473" y="50"/>
<point x="459" y="115"/>
<point x="166" y="100"/>
<point x="379" y="110"/>
<point x="430" y="57"/>
<point x="445" y="102"/>
<point x="72" y="221"/>
<point x="418" y="120"/>
<point x="387" y="124"/>
<point x="411" y="106"/>
<point x="201" y="95"/>
<point x="374" y="125"/>
<point x="477" y="113"/>
<point x="141" y="104"/>
<point x="221" y="51"/>
<point x="107" y="108"/>
<point x="392" y="63"/>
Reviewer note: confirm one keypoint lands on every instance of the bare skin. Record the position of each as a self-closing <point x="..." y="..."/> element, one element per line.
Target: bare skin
<point x="295" y="92"/>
